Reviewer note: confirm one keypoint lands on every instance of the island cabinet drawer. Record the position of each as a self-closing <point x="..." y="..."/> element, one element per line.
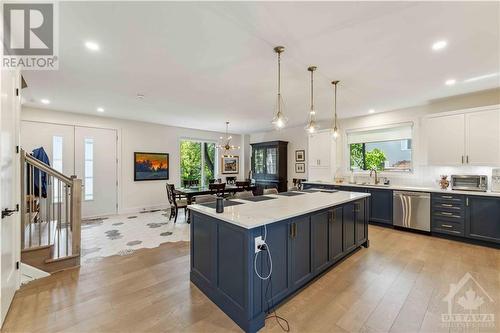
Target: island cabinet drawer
<point x="446" y="226"/>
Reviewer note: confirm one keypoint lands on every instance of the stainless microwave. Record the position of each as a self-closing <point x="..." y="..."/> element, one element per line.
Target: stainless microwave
<point x="469" y="183"/>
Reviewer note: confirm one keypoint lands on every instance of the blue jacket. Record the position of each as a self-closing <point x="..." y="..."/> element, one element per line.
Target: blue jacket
<point x="41" y="155"/>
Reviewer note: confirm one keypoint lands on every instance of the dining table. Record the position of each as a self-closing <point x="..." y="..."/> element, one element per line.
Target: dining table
<point x="190" y="192"/>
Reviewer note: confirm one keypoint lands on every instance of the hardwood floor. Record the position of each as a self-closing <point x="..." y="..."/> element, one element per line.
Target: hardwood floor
<point x="396" y="285"/>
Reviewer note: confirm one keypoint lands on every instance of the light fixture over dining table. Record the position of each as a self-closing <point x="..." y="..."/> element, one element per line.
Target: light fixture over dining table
<point x="224" y="144"/>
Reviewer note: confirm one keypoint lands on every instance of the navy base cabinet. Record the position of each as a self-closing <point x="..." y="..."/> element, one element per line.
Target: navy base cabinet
<point x="223" y="254"/>
<point x="483" y="219"/>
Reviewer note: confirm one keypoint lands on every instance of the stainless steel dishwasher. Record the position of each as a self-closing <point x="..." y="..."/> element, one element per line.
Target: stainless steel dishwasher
<point x="412" y="210"/>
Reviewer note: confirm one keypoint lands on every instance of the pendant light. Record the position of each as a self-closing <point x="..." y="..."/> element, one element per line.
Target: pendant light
<point x="279" y="121"/>
<point x="311" y="125"/>
<point x="224" y="144"/>
<point x="335" y="128"/>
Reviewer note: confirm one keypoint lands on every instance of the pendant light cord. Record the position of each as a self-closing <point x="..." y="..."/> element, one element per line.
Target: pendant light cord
<point x="279" y="82"/>
<point x="312" y="91"/>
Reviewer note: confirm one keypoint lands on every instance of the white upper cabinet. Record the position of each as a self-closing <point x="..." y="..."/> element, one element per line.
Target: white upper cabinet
<point x="483" y="137"/>
<point x="319" y="149"/>
<point x="467" y="138"/>
<point x="445" y="137"/>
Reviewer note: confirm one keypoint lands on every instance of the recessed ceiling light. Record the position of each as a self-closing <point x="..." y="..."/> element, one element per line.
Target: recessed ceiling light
<point x="371" y="111"/>
<point x="450" y="82"/>
<point x="482" y="77"/>
<point x="439" y="45"/>
<point x="45" y="101"/>
<point x="100" y="109"/>
<point x="140" y="96"/>
<point x="93" y="46"/>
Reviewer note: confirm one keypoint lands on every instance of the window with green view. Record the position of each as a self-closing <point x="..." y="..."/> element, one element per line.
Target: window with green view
<point x="197" y="162"/>
<point x="383" y="150"/>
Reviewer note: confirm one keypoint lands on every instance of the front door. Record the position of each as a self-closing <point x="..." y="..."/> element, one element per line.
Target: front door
<point x="95" y="164"/>
<point x="10" y="222"/>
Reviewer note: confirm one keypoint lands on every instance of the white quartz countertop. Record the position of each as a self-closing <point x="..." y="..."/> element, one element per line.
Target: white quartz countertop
<point x="406" y="188"/>
<point x="255" y="214"/>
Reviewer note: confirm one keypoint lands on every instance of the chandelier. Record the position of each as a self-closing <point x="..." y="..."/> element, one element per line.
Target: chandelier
<point x="279" y="121"/>
<point x="224" y="144"/>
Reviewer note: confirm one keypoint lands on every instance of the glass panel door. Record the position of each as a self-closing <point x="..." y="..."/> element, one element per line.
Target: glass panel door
<point x="271" y="161"/>
<point x="259" y="161"/>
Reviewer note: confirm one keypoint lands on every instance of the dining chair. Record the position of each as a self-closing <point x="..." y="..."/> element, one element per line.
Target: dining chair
<point x="244" y="184"/>
<point x="217" y="188"/>
<point x="205" y="198"/>
<point x="175" y="204"/>
<point x="242" y="195"/>
<point x="270" y="191"/>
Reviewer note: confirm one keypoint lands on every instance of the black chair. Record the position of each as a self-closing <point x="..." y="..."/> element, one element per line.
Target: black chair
<point x="243" y="184"/>
<point x="174" y="203"/>
<point x="217" y="188"/>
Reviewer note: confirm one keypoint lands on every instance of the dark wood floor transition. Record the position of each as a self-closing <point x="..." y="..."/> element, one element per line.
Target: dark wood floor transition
<point x="397" y="285"/>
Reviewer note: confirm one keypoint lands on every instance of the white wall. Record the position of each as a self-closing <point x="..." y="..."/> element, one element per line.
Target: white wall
<point x="422" y="174"/>
<point x="297" y="140"/>
<point x="136" y="136"/>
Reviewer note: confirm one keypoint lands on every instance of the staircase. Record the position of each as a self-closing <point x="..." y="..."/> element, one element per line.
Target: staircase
<point x="50" y="216"/>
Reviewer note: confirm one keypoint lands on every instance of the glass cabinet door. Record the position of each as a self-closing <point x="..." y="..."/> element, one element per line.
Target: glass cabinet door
<point x="259" y="161"/>
<point x="272" y="161"/>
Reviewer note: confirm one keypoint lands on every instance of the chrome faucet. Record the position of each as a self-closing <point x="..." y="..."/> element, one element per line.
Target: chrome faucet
<point x="376" y="176"/>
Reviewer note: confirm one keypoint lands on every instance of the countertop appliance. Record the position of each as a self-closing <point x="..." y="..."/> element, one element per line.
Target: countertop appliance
<point x="495" y="180"/>
<point x="469" y="183"/>
<point x="412" y="210"/>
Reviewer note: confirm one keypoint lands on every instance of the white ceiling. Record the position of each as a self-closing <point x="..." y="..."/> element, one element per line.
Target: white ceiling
<point x="200" y="64"/>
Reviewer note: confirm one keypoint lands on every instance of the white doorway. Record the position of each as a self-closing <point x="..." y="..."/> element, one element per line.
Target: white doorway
<point x="95" y="165"/>
<point x="9" y="184"/>
<point x="87" y="152"/>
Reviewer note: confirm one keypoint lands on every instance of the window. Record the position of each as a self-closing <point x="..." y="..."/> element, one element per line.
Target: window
<point x="198" y="162"/>
<point x="89" y="169"/>
<point x="57" y="153"/>
<point x="57" y="163"/>
<point x="386" y="149"/>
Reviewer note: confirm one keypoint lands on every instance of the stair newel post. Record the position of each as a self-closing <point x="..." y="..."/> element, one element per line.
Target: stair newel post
<point x="76" y="214"/>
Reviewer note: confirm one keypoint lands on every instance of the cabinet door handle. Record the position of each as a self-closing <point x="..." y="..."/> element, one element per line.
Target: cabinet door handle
<point x="446" y="213"/>
<point x="467" y="159"/>
<point x="447" y="197"/>
<point x="446" y="205"/>
<point x="446" y="225"/>
<point x="467" y="201"/>
<point x="294" y="230"/>
<point x="291" y="230"/>
<point x="462" y="159"/>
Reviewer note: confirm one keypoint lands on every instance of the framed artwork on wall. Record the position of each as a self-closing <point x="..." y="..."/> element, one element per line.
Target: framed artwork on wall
<point x="230" y="164"/>
<point x="150" y="166"/>
<point x="300" y="167"/>
<point x="300" y="155"/>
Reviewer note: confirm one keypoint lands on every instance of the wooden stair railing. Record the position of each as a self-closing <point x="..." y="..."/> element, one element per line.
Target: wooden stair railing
<point x="51" y="216"/>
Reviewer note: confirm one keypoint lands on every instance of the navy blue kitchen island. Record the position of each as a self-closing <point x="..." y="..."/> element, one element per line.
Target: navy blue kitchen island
<point x="306" y="233"/>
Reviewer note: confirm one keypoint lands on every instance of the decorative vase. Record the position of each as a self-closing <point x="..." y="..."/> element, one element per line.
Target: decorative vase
<point x="444" y="182"/>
